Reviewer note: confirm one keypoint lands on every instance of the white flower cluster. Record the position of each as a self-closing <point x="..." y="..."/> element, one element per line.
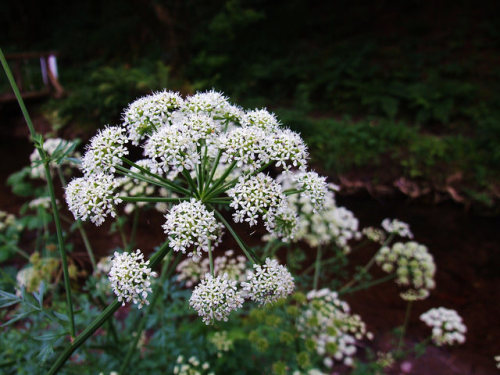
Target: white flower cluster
<point x="414" y="267"/>
<point x="374" y="234"/>
<point x="221" y="342"/>
<point x="174" y="148"/>
<point x="7" y="220"/>
<point x="130" y="277"/>
<point x="332" y="224"/>
<point x="192" y="271"/>
<point x="447" y="326"/>
<point x="214" y="298"/>
<point x="262" y="197"/>
<point x="92" y="197"/>
<point x="42" y="202"/>
<point x="105" y="150"/>
<point x="268" y="283"/>
<point x="149" y="113"/>
<point x="193" y="366"/>
<point x="312" y="371"/>
<point x="50" y="146"/>
<point x="262" y="119"/>
<point x="315" y="188"/>
<point x="190" y="224"/>
<point x="395" y="226"/>
<point x="213" y="104"/>
<point x="497" y="360"/>
<point x="258" y="196"/>
<point x="335" y="331"/>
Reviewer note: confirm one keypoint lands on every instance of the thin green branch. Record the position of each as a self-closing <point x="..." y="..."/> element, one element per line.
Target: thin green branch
<point x="368" y="284"/>
<point x="38" y="141"/>
<point x="172" y="185"/>
<point x="317" y="268"/>
<point x="248" y="252"/>
<point x="101" y="319"/>
<point x="142" y="323"/>
<point x="154" y="199"/>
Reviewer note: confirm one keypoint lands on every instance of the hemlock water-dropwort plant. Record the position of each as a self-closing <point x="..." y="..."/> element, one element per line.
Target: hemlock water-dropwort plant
<point x="210" y="156"/>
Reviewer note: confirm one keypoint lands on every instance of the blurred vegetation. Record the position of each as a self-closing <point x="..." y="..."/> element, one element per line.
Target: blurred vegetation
<point x="406" y="89"/>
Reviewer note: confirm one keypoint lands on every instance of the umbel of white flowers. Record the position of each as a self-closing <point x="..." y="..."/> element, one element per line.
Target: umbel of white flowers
<point x="447" y="326"/>
<point x="414" y="267"/>
<point x="201" y="153"/>
<point x="130" y="277"/>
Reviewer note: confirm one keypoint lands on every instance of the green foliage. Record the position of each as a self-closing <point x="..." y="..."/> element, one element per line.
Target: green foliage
<point x="102" y="94"/>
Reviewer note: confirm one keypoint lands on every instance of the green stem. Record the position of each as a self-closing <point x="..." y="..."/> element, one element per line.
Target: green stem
<point x="210" y="257"/>
<point x="154" y="199"/>
<point x="119" y="224"/>
<point x="405" y="324"/>
<point x="212" y="172"/>
<point x="172" y="185"/>
<point x="248" y="252"/>
<point x="317" y="268"/>
<point x="367" y="267"/>
<point x="234" y="181"/>
<point x="190" y="181"/>
<point x="212" y="191"/>
<point x="101" y="319"/>
<point x="293" y="191"/>
<point x="135" y="223"/>
<point x="149" y="309"/>
<point x="38" y="140"/>
<point x="367" y="285"/>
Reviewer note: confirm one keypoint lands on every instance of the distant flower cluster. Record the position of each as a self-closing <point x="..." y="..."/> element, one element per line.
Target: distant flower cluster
<point x="191" y="271"/>
<point x="53" y="147"/>
<point x="398" y="227"/>
<point x="413" y="265"/>
<point x="447" y="326"/>
<point x="331" y="224"/>
<point x="192" y="366"/>
<point x="327" y="320"/>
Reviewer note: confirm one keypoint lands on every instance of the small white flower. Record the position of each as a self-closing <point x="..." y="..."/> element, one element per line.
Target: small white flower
<point x="92" y="197"/>
<point x="262" y="119"/>
<point x="149" y="113"/>
<point x="315" y="188"/>
<point x="214" y="298"/>
<point x="258" y="196"/>
<point x="214" y="104"/>
<point x="374" y="234"/>
<point x="398" y="227"/>
<point x="171" y="147"/>
<point x="245" y="146"/>
<point x="268" y="283"/>
<point x="447" y="326"/>
<point x="192" y="270"/>
<point x="105" y="150"/>
<point x="287" y="149"/>
<point x="42" y="202"/>
<point x="327" y="320"/>
<point x="190" y="224"/>
<point x="414" y="267"/>
<point x="130" y="278"/>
